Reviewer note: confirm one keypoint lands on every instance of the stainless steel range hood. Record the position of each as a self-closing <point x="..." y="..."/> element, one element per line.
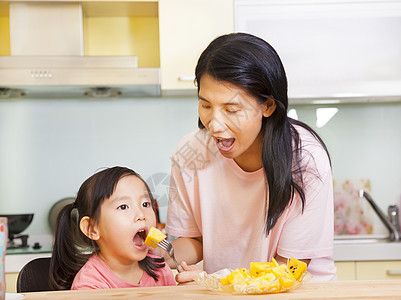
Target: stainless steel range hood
<point x="46" y="43"/>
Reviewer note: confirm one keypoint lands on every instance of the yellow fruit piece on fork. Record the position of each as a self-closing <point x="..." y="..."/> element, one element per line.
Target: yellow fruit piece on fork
<point x="154" y="235"/>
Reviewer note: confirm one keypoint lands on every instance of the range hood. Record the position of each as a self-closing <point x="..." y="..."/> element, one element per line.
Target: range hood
<point x="46" y="45"/>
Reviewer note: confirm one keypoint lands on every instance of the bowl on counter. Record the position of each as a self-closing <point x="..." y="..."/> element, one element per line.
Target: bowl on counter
<point x="18" y="223"/>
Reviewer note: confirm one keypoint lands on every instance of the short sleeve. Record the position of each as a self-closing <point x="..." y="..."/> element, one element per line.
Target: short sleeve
<point x="309" y="234"/>
<point x="181" y="221"/>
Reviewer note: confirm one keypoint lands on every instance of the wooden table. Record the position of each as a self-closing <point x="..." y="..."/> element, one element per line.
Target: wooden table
<point x="355" y="289"/>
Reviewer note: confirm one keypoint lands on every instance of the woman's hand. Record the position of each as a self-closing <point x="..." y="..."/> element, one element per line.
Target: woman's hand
<point x="189" y="273"/>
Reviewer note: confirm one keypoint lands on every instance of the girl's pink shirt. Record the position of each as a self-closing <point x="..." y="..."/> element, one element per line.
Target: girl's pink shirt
<point x="212" y="197"/>
<point x="96" y="275"/>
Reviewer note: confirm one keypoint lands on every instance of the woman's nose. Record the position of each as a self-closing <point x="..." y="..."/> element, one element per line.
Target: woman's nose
<point x="217" y="123"/>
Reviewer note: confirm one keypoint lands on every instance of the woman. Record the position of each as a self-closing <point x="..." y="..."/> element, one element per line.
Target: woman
<point x="251" y="183"/>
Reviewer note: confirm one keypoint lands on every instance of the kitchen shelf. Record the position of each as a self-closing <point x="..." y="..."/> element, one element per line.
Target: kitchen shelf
<point x="110" y="28"/>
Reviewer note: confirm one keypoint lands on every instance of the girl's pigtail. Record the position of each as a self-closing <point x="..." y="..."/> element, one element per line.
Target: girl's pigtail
<point x="67" y="258"/>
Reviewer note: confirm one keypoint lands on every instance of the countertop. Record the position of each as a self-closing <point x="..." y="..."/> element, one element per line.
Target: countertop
<point x="351" y="248"/>
<point x="361" y="289"/>
<point x="366" y="248"/>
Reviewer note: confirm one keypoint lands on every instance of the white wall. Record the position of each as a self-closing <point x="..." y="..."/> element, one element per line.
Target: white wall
<point x="48" y="148"/>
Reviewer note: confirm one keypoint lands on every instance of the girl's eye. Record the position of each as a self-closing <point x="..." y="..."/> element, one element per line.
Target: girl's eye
<point x="206" y="106"/>
<point x="147" y="204"/>
<point x="123" y="207"/>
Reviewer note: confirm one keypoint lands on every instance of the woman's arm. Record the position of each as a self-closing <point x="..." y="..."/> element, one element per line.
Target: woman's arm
<point x="188" y="252"/>
<point x="283" y="260"/>
<point x="188" y="249"/>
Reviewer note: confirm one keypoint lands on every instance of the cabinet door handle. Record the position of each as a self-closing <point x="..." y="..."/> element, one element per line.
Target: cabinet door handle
<point x="186" y="78"/>
<point x="393" y="272"/>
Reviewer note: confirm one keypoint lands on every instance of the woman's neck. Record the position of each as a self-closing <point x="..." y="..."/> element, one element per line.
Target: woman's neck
<point x="251" y="159"/>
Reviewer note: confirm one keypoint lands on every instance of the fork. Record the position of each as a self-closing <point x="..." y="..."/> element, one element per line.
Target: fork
<point x="168" y="247"/>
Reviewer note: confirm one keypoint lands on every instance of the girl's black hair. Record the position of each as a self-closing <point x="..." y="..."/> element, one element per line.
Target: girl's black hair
<point x="251" y="63"/>
<point x="71" y="248"/>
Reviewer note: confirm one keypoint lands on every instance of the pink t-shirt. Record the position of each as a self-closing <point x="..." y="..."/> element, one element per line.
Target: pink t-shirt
<point x="96" y="275"/>
<point x="214" y="198"/>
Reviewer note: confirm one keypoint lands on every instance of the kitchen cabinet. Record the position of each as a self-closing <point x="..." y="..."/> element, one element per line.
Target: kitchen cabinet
<point x="378" y="270"/>
<point x="4" y="30"/>
<point x="326" y="46"/>
<point x="369" y="270"/>
<point x="11" y="282"/>
<point x="165" y="34"/>
<point x="345" y="270"/>
<point x="186" y="27"/>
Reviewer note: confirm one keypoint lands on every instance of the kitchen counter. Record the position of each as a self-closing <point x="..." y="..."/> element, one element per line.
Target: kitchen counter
<point x="366" y="289"/>
<point x="366" y="249"/>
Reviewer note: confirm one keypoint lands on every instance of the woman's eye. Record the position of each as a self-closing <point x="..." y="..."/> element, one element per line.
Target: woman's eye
<point x="232" y="110"/>
<point x="206" y="106"/>
<point x="123" y="207"/>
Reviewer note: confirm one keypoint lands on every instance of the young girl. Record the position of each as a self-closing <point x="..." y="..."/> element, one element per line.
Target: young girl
<point x="99" y="242"/>
<point x="251" y="183"/>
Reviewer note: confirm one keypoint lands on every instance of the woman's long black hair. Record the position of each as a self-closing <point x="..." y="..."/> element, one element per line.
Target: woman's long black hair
<point x="249" y="62"/>
<point x="71" y="248"/>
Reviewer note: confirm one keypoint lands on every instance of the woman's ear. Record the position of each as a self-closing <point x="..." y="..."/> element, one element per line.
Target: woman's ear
<point x="269" y="107"/>
<point x="89" y="229"/>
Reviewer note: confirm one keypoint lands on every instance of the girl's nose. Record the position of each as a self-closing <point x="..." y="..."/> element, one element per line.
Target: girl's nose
<point x="139" y="215"/>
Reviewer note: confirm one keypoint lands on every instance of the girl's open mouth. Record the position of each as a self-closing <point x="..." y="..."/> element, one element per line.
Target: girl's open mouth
<point x="225" y="144"/>
<point x="139" y="239"/>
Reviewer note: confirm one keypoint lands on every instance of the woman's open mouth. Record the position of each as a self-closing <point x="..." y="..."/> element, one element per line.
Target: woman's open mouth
<point x="225" y="145"/>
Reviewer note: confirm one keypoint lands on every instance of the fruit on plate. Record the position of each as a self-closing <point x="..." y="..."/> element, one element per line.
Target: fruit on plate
<point x="154" y="235"/>
<point x="296" y="267"/>
<point x="235" y="276"/>
<point x="267" y="275"/>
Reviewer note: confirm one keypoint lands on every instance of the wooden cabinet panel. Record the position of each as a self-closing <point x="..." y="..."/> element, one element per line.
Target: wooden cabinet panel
<point x="11" y="282"/>
<point x="346" y="270"/>
<point x="186" y="27"/>
<point x="378" y="269"/>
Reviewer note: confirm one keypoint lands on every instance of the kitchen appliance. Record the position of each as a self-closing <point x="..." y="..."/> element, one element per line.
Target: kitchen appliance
<point x="55" y="210"/>
<point x="46" y="46"/>
<point x="17" y="224"/>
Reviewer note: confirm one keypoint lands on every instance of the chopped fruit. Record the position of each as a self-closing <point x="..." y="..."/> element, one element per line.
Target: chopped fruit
<point x="275" y="262"/>
<point x="237" y="275"/>
<point x="296" y="267"/>
<point x="267" y="276"/>
<point x="281" y="271"/>
<point x="154" y="235"/>
<point x="259" y="268"/>
<point x="286" y="282"/>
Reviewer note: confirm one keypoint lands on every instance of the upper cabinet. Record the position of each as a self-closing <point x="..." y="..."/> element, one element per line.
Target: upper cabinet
<point x="186" y="27"/>
<point x="331" y="49"/>
<point x="167" y="35"/>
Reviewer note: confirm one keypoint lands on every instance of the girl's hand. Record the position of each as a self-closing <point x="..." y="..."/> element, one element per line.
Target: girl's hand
<point x="189" y="273"/>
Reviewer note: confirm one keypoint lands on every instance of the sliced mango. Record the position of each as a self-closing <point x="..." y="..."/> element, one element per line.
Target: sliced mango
<point x="154" y="235"/>
<point x="257" y="269"/>
<point x="282" y="271"/>
<point x="267" y="277"/>
<point x="286" y="282"/>
<point x="237" y="275"/>
<point x="296" y="267"/>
